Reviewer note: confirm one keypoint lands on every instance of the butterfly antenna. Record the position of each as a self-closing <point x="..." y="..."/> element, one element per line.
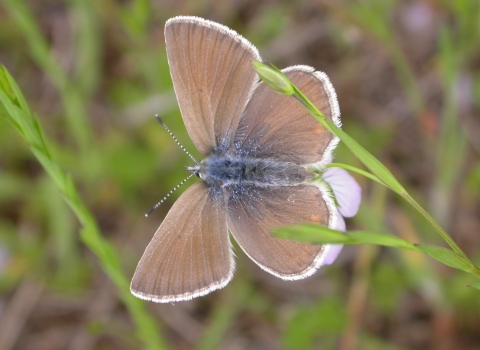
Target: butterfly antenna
<point x="168" y="195"/>
<point x="174" y="138"/>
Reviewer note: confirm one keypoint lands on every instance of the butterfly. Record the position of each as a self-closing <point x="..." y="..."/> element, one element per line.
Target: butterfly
<point x="259" y="148"/>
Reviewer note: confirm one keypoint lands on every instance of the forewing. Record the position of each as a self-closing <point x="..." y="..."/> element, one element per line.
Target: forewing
<point x="277" y="126"/>
<point x="190" y="253"/>
<point x="213" y="76"/>
<point x="253" y="212"/>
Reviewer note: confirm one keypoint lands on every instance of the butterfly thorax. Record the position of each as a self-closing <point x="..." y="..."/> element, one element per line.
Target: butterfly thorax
<point x="232" y="170"/>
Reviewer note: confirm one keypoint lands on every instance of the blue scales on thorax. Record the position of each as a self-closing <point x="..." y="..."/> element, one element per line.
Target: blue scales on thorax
<point x="229" y="170"/>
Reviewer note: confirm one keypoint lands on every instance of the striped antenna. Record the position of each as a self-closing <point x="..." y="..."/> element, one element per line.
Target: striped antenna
<point x="174" y="138"/>
<point x="168" y="195"/>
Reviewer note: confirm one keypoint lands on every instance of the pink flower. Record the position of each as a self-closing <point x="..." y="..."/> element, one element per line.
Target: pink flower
<point x="349" y="195"/>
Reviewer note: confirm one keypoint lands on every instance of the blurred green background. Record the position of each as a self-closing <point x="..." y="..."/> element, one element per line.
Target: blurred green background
<point x="407" y="75"/>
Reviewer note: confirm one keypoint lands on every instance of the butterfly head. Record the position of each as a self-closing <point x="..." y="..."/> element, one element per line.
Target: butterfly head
<point x="199" y="169"/>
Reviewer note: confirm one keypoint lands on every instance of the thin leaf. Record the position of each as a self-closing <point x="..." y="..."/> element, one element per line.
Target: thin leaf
<point x="312" y="233"/>
<point x="447" y="257"/>
<point x="365" y="237"/>
<point x="475" y="285"/>
<point x="22" y="104"/>
<point x="372" y="163"/>
<point x="323" y="235"/>
<point x="9" y="110"/>
<point x="29" y="127"/>
<point x="355" y="170"/>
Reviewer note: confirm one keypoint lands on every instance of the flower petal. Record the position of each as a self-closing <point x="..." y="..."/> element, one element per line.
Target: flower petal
<point x="346" y="189"/>
<point x="332" y="254"/>
<point x="335" y="249"/>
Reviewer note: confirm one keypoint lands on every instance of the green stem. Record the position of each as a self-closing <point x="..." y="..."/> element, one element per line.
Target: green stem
<point x="356" y="170"/>
<point x="15" y="109"/>
<point x="476" y="271"/>
<point x="376" y="167"/>
<point x="437" y="227"/>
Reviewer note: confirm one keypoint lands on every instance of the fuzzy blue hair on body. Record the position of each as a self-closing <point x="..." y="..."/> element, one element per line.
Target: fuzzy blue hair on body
<point x="227" y="170"/>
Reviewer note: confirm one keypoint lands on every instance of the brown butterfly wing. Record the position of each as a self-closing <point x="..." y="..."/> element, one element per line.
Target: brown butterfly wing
<point x="253" y="211"/>
<point x="213" y="77"/>
<point x="190" y="253"/>
<point x="277" y="126"/>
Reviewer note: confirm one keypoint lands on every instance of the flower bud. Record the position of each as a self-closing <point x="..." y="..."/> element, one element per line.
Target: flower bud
<point x="274" y="78"/>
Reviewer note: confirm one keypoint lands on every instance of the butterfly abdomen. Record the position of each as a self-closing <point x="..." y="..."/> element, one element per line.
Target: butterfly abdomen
<point x="231" y="170"/>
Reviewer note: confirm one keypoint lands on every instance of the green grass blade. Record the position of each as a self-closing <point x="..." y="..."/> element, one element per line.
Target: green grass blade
<point x="355" y="170"/>
<point x="146" y="326"/>
<point x="323" y="235"/>
<point x="317" y="234"/>
<point x="447" y="257"/>
<point x="475" y="285"/>
<point x="73" y="100"/>
<point x="372" y="163"/>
